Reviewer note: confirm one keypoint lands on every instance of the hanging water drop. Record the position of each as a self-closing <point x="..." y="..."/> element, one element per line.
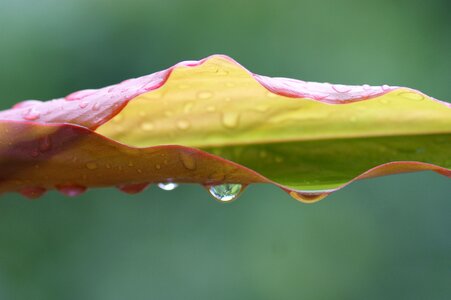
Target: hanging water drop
<point x="71" y="190"/>
<point x="167" y="186"/>
<point x="32" y="192"/>
<point x="308" y="197"/>
<point x="225" y="192"/>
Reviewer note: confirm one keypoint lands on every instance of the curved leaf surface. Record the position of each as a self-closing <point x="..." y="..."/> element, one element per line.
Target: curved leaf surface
<point x="214" y="122"/>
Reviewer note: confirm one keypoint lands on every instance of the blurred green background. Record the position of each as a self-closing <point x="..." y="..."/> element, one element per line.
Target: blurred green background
<point x="385" y="238"/>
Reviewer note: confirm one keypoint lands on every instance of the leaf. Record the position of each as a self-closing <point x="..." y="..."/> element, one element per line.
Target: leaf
<point x="213" y="122"/>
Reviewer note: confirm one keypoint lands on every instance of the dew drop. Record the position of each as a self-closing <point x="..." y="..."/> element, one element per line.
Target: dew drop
<point x="339" y="88"/>
<point x="279" y="159"/>
<point x="26" y="103"/>
<point x="83" y="104"/>
<point x="211" y="108"/>
<point x="261" y="108"/>
<point x="79" y="94"/>
<point x="188" y="160"/>
<point x="225" y="192"/>
<point x="385" y="87"/>
<point x="204" y="95"/>
<point x="96" y="106"/>
<point x="45" y="144"/>
<point x="31" y="115"/>
<point x="167" y="186"/>
<point x="230" y="119"/>
<point x="366" y="87"/>
<point x="133" y="188"/>
<point x="183" y="124"/>
<point x="32" y="192"/>
<point x="308" y="197"/>
<point x="91" y="165"/>
<point x="71" y="190"/>
<point x="412" y="96"/>
<point x="34" y="153"/>
<point x="188" y="107"/>
<point x="147" y="126"/>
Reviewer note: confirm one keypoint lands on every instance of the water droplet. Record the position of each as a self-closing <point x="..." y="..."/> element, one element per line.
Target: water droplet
<point x="26" y="103"/>
<point x="211" y="108"/>
<point x="79" y="94"/>
<point x="32" y="192"/>
<point x="230" y="119"/>
<point x="308" y="197"/>
<point x="188" y="160"/>
<point x="412" y="96"/>
<point x="366" y="87"/>
<point x="222" y="72"/>
<point x="96" y="106"/>
<point x="188" y="107"/>
<point x="147" y="126"/>
<point x="225" y="192"/>
<point x="45" y="144"/>
<point x="34" y="153"/>
<point x="385" y="87"/>
<point x="71" y="190"/>
<point x="183" y="124"/>
<point x="204" y="95"/>
<point x="261" y="108"/>
<point x="133" y="188"/>
<point x="91" y="165"/>
<point x="83" y="104"/>
<point x="167" y="186"/>
<point x="339" y="88"/>
<point x="31" y="115"/>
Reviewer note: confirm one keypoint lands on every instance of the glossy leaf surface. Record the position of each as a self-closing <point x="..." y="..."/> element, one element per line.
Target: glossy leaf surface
<point x="214" y="122"/>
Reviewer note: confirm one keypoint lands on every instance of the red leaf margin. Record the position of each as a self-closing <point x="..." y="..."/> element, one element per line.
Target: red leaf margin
<point x="68" y="115"/>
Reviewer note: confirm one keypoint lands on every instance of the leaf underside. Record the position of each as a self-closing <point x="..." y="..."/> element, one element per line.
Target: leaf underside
<point x="214" y="122"/>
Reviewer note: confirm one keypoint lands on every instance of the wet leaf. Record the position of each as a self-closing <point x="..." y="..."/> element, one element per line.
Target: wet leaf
<point x="213" y="122"/>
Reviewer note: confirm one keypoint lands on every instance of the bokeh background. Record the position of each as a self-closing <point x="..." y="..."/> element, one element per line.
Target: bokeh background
<point x="385" y="238"/>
